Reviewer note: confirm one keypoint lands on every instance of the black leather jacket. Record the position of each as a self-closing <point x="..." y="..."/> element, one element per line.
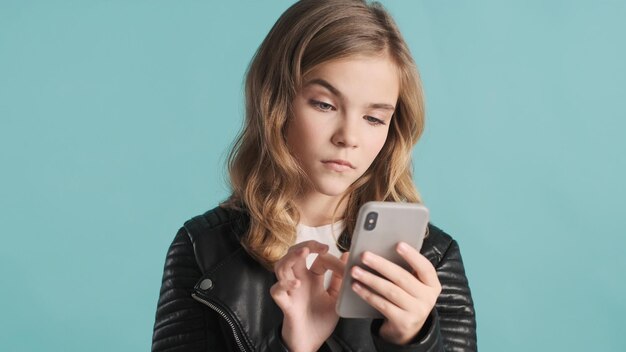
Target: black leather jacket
<point x="215" y="297"/>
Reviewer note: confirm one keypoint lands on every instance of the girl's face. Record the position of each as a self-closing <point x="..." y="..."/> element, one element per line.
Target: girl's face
<point x="341" y="119"/>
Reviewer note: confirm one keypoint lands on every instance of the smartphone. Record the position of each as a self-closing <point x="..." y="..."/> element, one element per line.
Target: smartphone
<point x="379" y="228"/>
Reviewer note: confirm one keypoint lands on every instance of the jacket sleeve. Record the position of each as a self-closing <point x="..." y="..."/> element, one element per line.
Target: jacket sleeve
<point x="451" y="326"/>
<point x="181" y="323"/>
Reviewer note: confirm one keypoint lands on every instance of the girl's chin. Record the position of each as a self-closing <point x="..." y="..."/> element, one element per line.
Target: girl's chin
<point x="331" y="189"/>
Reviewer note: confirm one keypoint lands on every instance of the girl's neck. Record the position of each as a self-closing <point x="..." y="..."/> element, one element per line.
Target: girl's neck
<point x="317" y="209"/>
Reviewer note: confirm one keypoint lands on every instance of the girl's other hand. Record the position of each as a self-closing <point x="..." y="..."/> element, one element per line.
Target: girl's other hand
<point x="308" y="308"/>
<point x="405" y="299"/>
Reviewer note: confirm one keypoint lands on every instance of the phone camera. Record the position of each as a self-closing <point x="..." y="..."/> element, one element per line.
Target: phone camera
<point x="370" y="221"/>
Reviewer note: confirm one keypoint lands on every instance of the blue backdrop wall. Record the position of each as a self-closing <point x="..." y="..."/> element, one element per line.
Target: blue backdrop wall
<point x="115" y="119"/>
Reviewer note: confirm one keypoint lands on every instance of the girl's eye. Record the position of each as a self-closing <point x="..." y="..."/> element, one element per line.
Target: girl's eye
<point x="320" y="105"/>
<point x="374" y="121"/>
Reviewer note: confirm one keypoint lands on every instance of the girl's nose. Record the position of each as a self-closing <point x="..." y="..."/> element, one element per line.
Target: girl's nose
<point x="346" y="134"/>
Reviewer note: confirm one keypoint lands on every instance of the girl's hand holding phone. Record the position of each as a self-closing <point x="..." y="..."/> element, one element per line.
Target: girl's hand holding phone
<point x="308" y="308"/>
<point x="405" y="299"/>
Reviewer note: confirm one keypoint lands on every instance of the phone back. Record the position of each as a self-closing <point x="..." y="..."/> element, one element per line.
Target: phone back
<point x="379" y="228"/>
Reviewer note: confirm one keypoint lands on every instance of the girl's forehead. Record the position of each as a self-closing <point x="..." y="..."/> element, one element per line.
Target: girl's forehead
<point x="348" y="60"/>
<point x="355" y="75"/>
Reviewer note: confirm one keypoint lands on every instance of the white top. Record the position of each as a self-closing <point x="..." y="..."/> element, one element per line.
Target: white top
<point x="322" y="234"/>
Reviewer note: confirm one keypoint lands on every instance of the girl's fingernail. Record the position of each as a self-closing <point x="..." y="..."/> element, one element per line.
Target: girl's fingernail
<point x="402" y="247"/>
<point x="356" y="272"/>
<point x="356" y="286"/>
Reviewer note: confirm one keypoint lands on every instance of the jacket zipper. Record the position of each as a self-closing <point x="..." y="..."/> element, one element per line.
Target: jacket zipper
<point x="226" y="317"/>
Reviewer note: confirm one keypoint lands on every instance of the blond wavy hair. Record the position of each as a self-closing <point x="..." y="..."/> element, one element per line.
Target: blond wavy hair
<point x="264" y="176"/>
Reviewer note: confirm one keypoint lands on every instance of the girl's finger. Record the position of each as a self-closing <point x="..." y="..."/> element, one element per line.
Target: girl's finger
<point x="302" y="250"/>
<point x="393" y="272"/>
<point x="312" y="245"/>
<point x="284" y="268"/>
<point x="424" y="269"/>
<point x="295" y="259"/>
<point x="325" y="262"/>
<point x="299" y="265"/>
<point x="306" y="248"/>
<point x="280" y="292"/>
<point x="386" y="308"/>
<point x="337" y="277"/>
<point x="277" y="292"/>
<point x="285" y="286"/>
<point x="383" y="287"/>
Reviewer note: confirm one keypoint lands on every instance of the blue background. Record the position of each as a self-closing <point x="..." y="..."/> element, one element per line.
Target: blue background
<point x="116" y="116"/>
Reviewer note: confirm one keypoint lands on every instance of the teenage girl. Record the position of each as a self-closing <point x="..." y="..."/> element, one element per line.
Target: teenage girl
<point x="334" y="106"/>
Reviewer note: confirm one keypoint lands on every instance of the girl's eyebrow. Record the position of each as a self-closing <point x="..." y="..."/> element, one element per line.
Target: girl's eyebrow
<point x="324" y="83"/>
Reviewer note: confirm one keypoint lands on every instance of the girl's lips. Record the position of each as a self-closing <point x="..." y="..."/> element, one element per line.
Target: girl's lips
<point x="336" y="166"/>
<point x="339" y="161"/>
